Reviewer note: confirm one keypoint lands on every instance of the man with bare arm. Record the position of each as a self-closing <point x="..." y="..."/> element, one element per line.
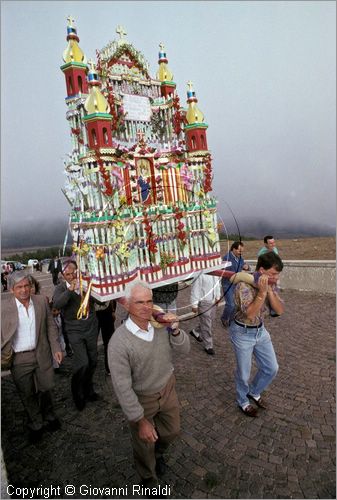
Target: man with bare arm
<point x="250" y="337"/>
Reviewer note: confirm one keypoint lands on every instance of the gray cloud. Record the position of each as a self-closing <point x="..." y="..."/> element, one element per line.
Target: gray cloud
<point x="264" y="74"/>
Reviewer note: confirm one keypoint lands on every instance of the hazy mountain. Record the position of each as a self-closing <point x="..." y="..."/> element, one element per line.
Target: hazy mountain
<point x="52" y="233"/>
<point x="35" y="233"/>
<point x="258" y="228"/>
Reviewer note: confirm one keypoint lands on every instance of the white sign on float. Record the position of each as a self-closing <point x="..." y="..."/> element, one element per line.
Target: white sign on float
<point x="137" y="107"/>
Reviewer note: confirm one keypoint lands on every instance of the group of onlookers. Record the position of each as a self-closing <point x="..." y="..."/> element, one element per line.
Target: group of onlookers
<point x="6" y="270"/>
<point x="36" y="335"/>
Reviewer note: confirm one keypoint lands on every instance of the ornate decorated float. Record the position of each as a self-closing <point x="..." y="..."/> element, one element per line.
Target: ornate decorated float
<point x="139" y="176"/>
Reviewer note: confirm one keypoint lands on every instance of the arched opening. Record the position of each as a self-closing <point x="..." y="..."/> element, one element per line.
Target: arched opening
<point x="94" y="137"/>
<point x="105" y="136"/>
<point x="70" y="85"/>
<point x="193" y="143"/>
<point x="80" y="83"/>
<point x="203" y="144"/>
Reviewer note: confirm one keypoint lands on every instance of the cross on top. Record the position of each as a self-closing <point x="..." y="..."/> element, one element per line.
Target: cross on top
<point x="70" y="20"/>
<point x="121" y="31"/>
<point x="140" y="136"/>
<point x="161" y="46"/>
<point x="190" y="85"/>
<point x="92" y="65"/>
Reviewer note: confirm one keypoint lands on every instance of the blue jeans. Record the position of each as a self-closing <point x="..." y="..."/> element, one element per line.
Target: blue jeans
<point x="246" y="342"/>
<point x="229" y="309"/>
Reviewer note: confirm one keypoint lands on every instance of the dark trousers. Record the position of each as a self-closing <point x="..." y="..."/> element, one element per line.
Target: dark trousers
<point x="162" y="410"/>
<point x="84" y="346"/>
<point x="34" y="388"/>
<point x="106" y="324"/>
<point x="65" y="336"/>
<point x="55" y="277"/>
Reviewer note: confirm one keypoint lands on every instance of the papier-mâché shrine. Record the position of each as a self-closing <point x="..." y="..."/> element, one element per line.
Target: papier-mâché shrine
<point x="139" y="175"/>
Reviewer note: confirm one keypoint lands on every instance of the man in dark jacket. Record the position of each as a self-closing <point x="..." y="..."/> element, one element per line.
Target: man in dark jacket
<point x="82" y="334"/>
<point x="55" y="267"/>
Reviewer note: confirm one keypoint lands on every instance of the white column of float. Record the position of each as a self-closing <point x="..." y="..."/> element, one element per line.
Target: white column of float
<point x="110" y="237"/>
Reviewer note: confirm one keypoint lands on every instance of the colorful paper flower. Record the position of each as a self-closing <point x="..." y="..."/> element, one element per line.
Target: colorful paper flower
<point x="99" y="253"/>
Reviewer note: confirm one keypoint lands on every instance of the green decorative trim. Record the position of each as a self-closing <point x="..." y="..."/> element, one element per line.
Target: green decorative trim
<point x="169" y="83"/>
<point x="130" y="213"/>
<point x="71" y="63"/>
<point x="95" y="116"/>
<point x="195" y="125"/>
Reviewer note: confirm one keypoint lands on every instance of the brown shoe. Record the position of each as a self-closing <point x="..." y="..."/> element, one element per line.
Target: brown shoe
<point x="249" y="411"/>
<point x="261" y="403"/>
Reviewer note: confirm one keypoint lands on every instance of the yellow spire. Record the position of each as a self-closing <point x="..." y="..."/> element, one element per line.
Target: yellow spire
<point x="193" y="114"/>
<point x="164" y="74"/>
<point x="95" y="102"/>
<point x="73" y="53"/>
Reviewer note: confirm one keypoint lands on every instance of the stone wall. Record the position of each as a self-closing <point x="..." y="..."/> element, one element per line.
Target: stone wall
<point x="310" y="275"/>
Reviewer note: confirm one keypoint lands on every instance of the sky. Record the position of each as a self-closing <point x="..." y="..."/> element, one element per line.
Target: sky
<point x="264" y="74"/>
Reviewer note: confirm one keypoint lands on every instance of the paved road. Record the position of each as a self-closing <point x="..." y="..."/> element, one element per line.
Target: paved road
<point x="288" y="452"/>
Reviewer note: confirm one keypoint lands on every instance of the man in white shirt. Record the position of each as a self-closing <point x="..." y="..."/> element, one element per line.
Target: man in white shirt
<point x="142" y="374"/>
<point x="29" y="332"/>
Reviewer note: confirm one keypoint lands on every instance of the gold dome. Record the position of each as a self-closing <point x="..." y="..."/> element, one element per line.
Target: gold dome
<point x="193" y="114"/>
<point x="164" y="74"/>
<point x="95" y="102"/>
<point x="73" y="53"/>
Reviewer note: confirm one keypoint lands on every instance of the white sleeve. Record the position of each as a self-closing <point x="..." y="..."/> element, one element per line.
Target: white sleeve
<point x="217" y="288"/>
<point x="196" y="291"/>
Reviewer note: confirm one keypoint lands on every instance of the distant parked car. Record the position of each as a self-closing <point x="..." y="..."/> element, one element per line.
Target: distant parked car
<point x="17" y="266"/>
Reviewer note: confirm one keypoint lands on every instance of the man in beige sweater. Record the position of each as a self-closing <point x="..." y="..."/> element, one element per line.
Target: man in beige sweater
<point x="142" y="376"/>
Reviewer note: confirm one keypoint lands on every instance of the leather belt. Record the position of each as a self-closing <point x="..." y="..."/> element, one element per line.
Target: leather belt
<point x="247" y="326"/>
<point x="22" y="352"/>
